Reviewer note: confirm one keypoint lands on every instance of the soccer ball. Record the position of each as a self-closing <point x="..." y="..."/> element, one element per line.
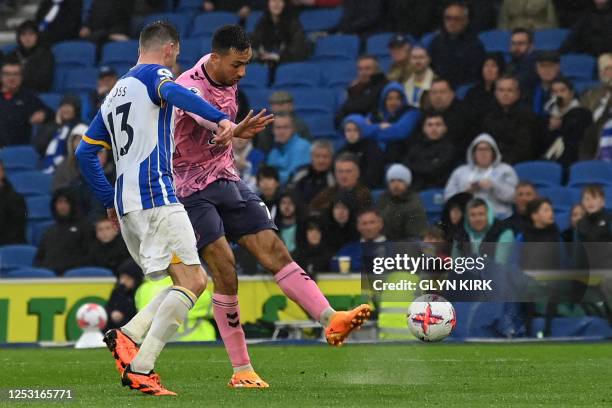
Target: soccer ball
<point x="90" y="316"/>
<point x="431" y="318"/>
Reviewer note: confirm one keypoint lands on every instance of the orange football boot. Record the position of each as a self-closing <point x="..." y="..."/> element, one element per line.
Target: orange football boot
<point x="145" y="383"/>
<point x="122" y="347"/>
<point x="247" y="379"/>
<point x="343" y="323"/>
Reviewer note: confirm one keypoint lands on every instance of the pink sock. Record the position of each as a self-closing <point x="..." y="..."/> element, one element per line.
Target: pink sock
<point x="227" y="316"/>
<point x="300" y="288"/>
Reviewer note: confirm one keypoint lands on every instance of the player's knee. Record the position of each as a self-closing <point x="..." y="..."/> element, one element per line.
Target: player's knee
<point x="197" y="281"/>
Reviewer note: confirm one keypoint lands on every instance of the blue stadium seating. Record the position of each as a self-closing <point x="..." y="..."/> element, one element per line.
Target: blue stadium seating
<point x="36" y="229"/>
<point x="15" y="256"/>
<point x="39" y="207"/>
<point x="8" y="48"/>
<point x="462" y="91"/>
<point x="376" y="193"/>
<point x="124" y="52"/>
<point x="258" y="98"/>
<point x="30" y="273"/>
<point x="426" y="39"/>
<point x="257" y="76"/>
<point x="433" y="201"/>
<point x="31" y="182"/>
<point x="338" y="75"/>
<point x="88" y="272"/>
<point x="51" y="99"/>
<point x="314" y="100"/>
<point x="578" y="66"/>
<point x="320" y="19"/>
<point x="297" y="74"/>
<point x="562" y="198"/>
<point x="192" y="49"/>
<point x="384" y="63"/>
<point x="71" y="54"/>
<point x="321" y="125"/>
<point x="80" y="80"/>
<point x="582" y="86"/>
<point x="562" y="219"/>
<point x="495" y="40"/>
<point x="178" y="20"/>
<point x="19" y="158"/>
<point x="540" y="172"/>
<point x="589" y="172"/>
<point x="549" y="39"/>
<point x="252" y="20"/>
<point x="206" y="24"/>
<point x="86" y="9"/>
<point x="336" y="47"/>
<point x="189" y="6"/>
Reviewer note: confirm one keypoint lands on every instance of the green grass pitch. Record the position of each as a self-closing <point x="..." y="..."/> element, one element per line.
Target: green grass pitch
<point x="415" y="375"/>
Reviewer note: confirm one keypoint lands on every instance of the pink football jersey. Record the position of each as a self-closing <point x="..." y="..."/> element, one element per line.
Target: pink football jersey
<point x="197" y="160"/>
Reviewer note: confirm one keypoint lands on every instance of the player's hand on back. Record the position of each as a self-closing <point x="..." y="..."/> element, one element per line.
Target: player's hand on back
<point x="252" y="125"/>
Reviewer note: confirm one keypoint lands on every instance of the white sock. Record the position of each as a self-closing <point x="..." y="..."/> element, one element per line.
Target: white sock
<point x="326" y="316"/>
<point x="167" y="320"/>
<point x="138" y="327"/>
<point x="247" y="367"/>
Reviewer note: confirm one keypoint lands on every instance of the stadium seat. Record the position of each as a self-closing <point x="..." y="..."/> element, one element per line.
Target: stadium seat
<point x="433" y="201"/>
<point x="39" y="207"/>
<point x="562" y="219"/>
<point x="206" y="24"/>
<point x="80" y="80"/>
<point x="495" y="40"/>
<point x="298" y="74"/>
<point x="178" y="20"/>
<point x="589" y="172"/>
<point x="321" y="125"/>
<point x="549" y="39"/>
<point x="15" y="256"/>
<point x="339" y="75"/>
<point x="462" y="90"/>
<point x="257" y="76"/>
<point x="72" y="54"/>
<point x="31" y="182"/>
<point x="540" y="172"/>
<point x="426" y="39"/>
<point x="30" y="273"/>
<point x="189" y="6"/>
<point x="258" y="97"/>
<point x="313" y="100"/>
<point x="252" y="20"/>
<point x="88" y="272"/>
<point x="582" y="86"/>
<point x="376" y="193"/>
<point x="578" y="66"/>
<point x="192" y="49"/>
<point x="36" y="229"/>
<point x="124" y="52"/>
<point x="51" y="99"/>
<point x="19" y="158"/>
<point x="8" y="48"/>
<point x="384" y="63"/>
<point x="562" y="198"/>
<point x="336" y="47"/>
<point x="320" y="19"/>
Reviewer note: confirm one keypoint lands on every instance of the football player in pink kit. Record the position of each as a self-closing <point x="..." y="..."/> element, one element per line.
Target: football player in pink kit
<point x="219" y="204"/>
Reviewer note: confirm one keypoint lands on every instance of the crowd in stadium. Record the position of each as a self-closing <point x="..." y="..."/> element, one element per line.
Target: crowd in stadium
<point x="394" y="120"/>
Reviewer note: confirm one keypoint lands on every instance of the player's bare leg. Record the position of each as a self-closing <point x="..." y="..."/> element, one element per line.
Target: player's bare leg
<point x="222" y="265"/>
<point x="189" y="283"/>
<point x="273" y="255"/>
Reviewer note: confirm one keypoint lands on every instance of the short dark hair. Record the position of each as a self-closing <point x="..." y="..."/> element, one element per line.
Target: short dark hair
<point x="12" y="60"/>
<point x="526" y="183"/>
<point x="510" y="77"/>
<point x="267" y="172"/>
<point x="433" y="114"/>
<point x="369" y="210"/>
<point x="230" y="37"/>
<point x="564" y="81"/>
<point x="443" y="80"/>
<point x="534" y="205"/>
<point x="159" y="32"/>
<point x="521" y="30"/>
<point x="596" y="190"/>
<point x="475" y="203"/>
<point x="347" y="157"/>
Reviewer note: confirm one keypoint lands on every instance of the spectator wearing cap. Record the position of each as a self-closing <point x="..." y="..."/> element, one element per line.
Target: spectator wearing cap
<point x="20" y="108"/>
<point x="529" y="14"/>
<point x="523" y="58"/>
<point x="516" y="130"/>
<point x="357" y="135"/>
<point x="599" y="99"/>
<point x="290" y="151"/>
<point x="456" y="54"/>
<point x="361" y="17"/>
<point x="480" y="99"/>
<point x="399" y="49"/>
<point x="422" y="76"/>
<point x="107" y="78"/>
<point x="59" y="20"/>
<point x="400" y="207"/>
<point x="281" y="102"/>
<point x="485" y="176"/>
<point x="35" y="57"/>
<point x="567" y="122"/>
<point x="592" y="34"/>
<point x="414" y="17"/>
<point x="308" y="181"/>
<point x="548" y="68"/>
<point x="364" y="91"/>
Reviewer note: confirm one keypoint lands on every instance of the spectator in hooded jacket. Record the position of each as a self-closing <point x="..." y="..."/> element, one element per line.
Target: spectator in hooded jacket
<point x="340" y="222"/>
<point x="453" y="214"/>
<point x="279" y="37"/>
<point x="318" y="175"/>
<point x="592" y="34"/>
<point x="422" y="77"/>
<point x="35" y="57"/>
<point x="456" y="54"/>
<point x="64" y="245"/>
<point x="67" y="174"/>
<point x="567" y="123"/>
<point x="59" y="20"/>
<point x="480" y="98"/>
<point x="313" y="255"/>
<point x="359" y="141"/>
<point x="361" y="17"/>
<point x="107" y="249"/>
<point x="514" y="128"/>
<point x="12" y="213"/>
<point x="395" y="120"/>
<point x="121" y="306"/>
<point x="400" y="207"/>
<point x="528" y="14"/>
<point x="485" y="176"/>
<point x="431" y="154"/>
